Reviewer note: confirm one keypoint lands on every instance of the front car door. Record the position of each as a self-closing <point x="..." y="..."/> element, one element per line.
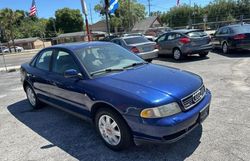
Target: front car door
<point x="68" y="93"/>
<point x="161" y="41"/>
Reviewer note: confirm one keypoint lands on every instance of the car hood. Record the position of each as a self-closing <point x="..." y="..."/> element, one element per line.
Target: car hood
<point x="154" y="82"/>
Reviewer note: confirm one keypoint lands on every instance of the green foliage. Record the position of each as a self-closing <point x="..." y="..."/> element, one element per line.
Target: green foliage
<point x="69" y="20"/>
<point x="217" y="10"/>
<point x="124" y="18"/>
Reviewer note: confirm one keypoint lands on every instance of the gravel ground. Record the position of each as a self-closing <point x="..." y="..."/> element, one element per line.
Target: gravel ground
<point x="51" y="134"/>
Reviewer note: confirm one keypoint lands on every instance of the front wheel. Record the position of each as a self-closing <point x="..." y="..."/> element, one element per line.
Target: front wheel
<point x="149" y="60"/>
<point x="113" y="129"/>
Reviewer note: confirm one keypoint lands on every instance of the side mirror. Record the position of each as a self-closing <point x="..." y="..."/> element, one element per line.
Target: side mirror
<point x="72" y="73"/>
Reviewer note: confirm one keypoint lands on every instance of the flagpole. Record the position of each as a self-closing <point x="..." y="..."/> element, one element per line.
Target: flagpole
<point x="84" y="11"/>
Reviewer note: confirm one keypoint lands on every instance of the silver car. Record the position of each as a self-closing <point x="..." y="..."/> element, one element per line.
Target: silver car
<point x="181" y="43"/>
<point x="139" y="45"/>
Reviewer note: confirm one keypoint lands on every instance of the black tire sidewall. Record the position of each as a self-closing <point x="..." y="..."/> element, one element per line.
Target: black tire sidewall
<point x="126" y="139"/>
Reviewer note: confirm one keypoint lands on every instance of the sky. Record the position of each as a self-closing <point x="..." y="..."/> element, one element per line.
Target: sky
<point x="47" y="8"/>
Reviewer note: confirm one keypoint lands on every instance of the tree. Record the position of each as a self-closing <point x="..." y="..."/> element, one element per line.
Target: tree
<point x="126" y="15"/>
<point x="69" y="20"/>
<point x="8" y="20"/>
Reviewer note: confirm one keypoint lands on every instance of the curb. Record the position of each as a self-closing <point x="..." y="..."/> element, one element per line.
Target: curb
<point x="10" y="69"/>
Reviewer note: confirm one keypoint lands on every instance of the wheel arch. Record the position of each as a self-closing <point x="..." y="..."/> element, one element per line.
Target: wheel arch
<point x="104" y="105"/>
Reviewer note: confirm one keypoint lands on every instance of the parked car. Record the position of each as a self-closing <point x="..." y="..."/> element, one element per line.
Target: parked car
<point x="127" y="99"/>
<point x="2" y="48"/>
<point x="12" y="49"/>
<point x="232" y="37"/>
<point x="132" y="34"/>
<point x="150" y="38"/>
<point x="139" y="45"/>
<point x="181" y="43"/>
<point x="109" y="38"/>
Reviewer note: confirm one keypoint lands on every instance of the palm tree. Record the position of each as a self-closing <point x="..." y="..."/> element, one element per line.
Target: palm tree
<point x="8" y="19"/>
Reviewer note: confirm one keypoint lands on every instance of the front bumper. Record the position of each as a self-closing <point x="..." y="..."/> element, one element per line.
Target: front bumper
<point x="149" y="55"/>
<point x="172" y="128"/>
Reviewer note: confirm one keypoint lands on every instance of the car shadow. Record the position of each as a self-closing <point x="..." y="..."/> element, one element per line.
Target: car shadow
<point x="186" y="59"/>
<point x="79" y="139"/>
<point x="234" y="53"/>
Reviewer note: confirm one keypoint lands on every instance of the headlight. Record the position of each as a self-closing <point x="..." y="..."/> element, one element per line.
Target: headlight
<point x="162" y="111"/>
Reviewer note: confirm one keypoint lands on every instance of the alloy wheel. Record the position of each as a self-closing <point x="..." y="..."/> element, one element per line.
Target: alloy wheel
<point x="177" y="54"/>
<point x="225" y="48"/>
<point x="31" y="96"/>
<point x="109" y="130"/>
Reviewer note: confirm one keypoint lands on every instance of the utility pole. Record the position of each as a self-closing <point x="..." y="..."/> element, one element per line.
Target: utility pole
<point x="149" y="5"/>
<point x="106" y="7"/>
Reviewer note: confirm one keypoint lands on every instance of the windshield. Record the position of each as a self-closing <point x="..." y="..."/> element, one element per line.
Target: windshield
<point x="196" y="34"/>
<point x="241" y="29"/>
<point x="110" y="56"/>
<point x="135" y="40"/>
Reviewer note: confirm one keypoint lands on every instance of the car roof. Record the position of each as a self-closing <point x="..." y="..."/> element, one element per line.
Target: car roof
<point x="236" y="25"/>
<point x="129" y="37"/>
<point x="185" y="30"/>
<point x="80" y="45"/>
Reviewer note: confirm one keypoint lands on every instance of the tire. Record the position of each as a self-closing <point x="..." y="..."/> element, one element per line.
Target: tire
<point x="116" y="138"/>
<point x="203" y="54"/>
<point x="32" y="98"/>
<point x="225" y="49"/>
<point x="177" y="54"/>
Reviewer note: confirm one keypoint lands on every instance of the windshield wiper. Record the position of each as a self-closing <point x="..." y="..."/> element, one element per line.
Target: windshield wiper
<point x="135" y="64"/>
<point x="106" y="71"/>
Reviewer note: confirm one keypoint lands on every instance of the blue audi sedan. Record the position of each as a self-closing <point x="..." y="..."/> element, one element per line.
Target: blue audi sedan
<point x="127" y="99"/>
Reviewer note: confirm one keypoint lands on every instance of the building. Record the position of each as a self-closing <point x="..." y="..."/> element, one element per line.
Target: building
<point x="77" y="37"/>
<point x="147" y="24"/>
<point x="31" y="43"/>
<point x="99" y="26"/>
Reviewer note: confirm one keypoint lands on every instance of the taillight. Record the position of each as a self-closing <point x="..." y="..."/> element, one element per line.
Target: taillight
<point x="135" y="50"/>
<point x="185" y="40"/>
<point x="239" y="37"/>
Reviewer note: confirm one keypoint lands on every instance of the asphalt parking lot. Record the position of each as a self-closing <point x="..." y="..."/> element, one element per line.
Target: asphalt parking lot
<point x="51" y="134"/>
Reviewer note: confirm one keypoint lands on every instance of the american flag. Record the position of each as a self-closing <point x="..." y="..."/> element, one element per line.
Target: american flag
<point x="33" y="8"/>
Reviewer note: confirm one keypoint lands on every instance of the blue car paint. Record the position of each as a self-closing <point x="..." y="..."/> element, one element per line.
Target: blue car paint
<point x="128" y="92"/>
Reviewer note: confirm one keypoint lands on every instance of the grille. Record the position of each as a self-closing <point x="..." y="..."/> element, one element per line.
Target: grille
<point x="194" y="98"/>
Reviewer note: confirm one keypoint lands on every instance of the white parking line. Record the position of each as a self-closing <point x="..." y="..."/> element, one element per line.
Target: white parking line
<point x="2" y="96"/>
<point x="17" y="89"/>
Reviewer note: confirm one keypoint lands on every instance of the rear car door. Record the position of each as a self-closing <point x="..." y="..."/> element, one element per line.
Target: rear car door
<point x="67" y="92"/>
<point x="40" y="74"/>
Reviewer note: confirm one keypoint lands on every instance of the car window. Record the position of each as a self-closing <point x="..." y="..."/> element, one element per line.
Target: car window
<point x="105" y="57"/>
<point x="224" y="31"/>
<point x="173" y="36"/>
<point x="197" y="34"/>
<point x="241" y="29"/>
<point x="43" y="61"/>
<point x="135" y="40"/>
<point x="63" y="61"/>
<point x="161" y="38"/>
